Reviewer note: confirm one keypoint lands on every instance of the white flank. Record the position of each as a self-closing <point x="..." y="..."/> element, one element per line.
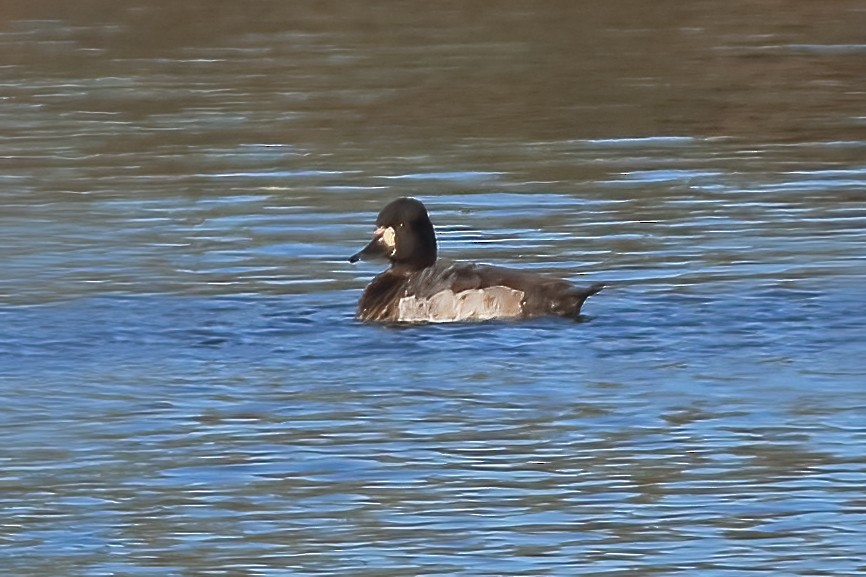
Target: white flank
<point x="494" y="302"/>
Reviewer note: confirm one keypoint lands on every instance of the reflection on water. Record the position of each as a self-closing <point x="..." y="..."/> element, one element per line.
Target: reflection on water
<point x="183" y="387"/>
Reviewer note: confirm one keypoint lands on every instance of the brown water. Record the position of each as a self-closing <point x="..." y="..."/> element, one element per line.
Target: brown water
<point x="183" y="390"/>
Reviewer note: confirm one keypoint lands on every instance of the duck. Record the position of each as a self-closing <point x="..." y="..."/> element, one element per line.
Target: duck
<point x="419" y="287"/>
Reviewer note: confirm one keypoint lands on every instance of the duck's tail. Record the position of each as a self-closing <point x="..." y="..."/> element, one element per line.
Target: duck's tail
<point x="578" y="296"/>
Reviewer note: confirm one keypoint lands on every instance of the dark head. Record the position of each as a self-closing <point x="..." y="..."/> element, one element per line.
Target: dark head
<point x="404" y="235"/>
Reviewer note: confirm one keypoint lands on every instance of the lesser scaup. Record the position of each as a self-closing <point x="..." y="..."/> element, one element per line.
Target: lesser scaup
<point x="418" y="287"/>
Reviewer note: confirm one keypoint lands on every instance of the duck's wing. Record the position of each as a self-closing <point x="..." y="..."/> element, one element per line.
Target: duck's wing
<point x="540" y="294"/>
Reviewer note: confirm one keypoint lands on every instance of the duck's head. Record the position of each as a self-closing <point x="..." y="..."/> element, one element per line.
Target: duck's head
<point x="404" y="235"/>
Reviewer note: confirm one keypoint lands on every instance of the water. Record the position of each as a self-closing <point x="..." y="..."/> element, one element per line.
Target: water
<point x="184" y="391"/>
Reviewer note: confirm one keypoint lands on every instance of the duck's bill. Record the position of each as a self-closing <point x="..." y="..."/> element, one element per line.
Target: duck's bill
<point x="373" y="250"/>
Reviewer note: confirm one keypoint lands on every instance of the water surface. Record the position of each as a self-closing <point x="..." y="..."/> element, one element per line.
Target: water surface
<point x="184" y="391"/>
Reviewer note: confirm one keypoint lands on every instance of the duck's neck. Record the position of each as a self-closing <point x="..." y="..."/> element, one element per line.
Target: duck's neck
<point x="415" y="253"/>
<point x="405" y="268"/>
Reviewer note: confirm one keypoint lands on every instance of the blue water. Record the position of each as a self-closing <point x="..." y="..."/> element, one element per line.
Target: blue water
<point x="275" y="434"/>
<point x="184" y="389"/>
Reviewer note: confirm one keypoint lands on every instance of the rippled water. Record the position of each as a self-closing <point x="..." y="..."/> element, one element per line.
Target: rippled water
<point x="184" y="391"/>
